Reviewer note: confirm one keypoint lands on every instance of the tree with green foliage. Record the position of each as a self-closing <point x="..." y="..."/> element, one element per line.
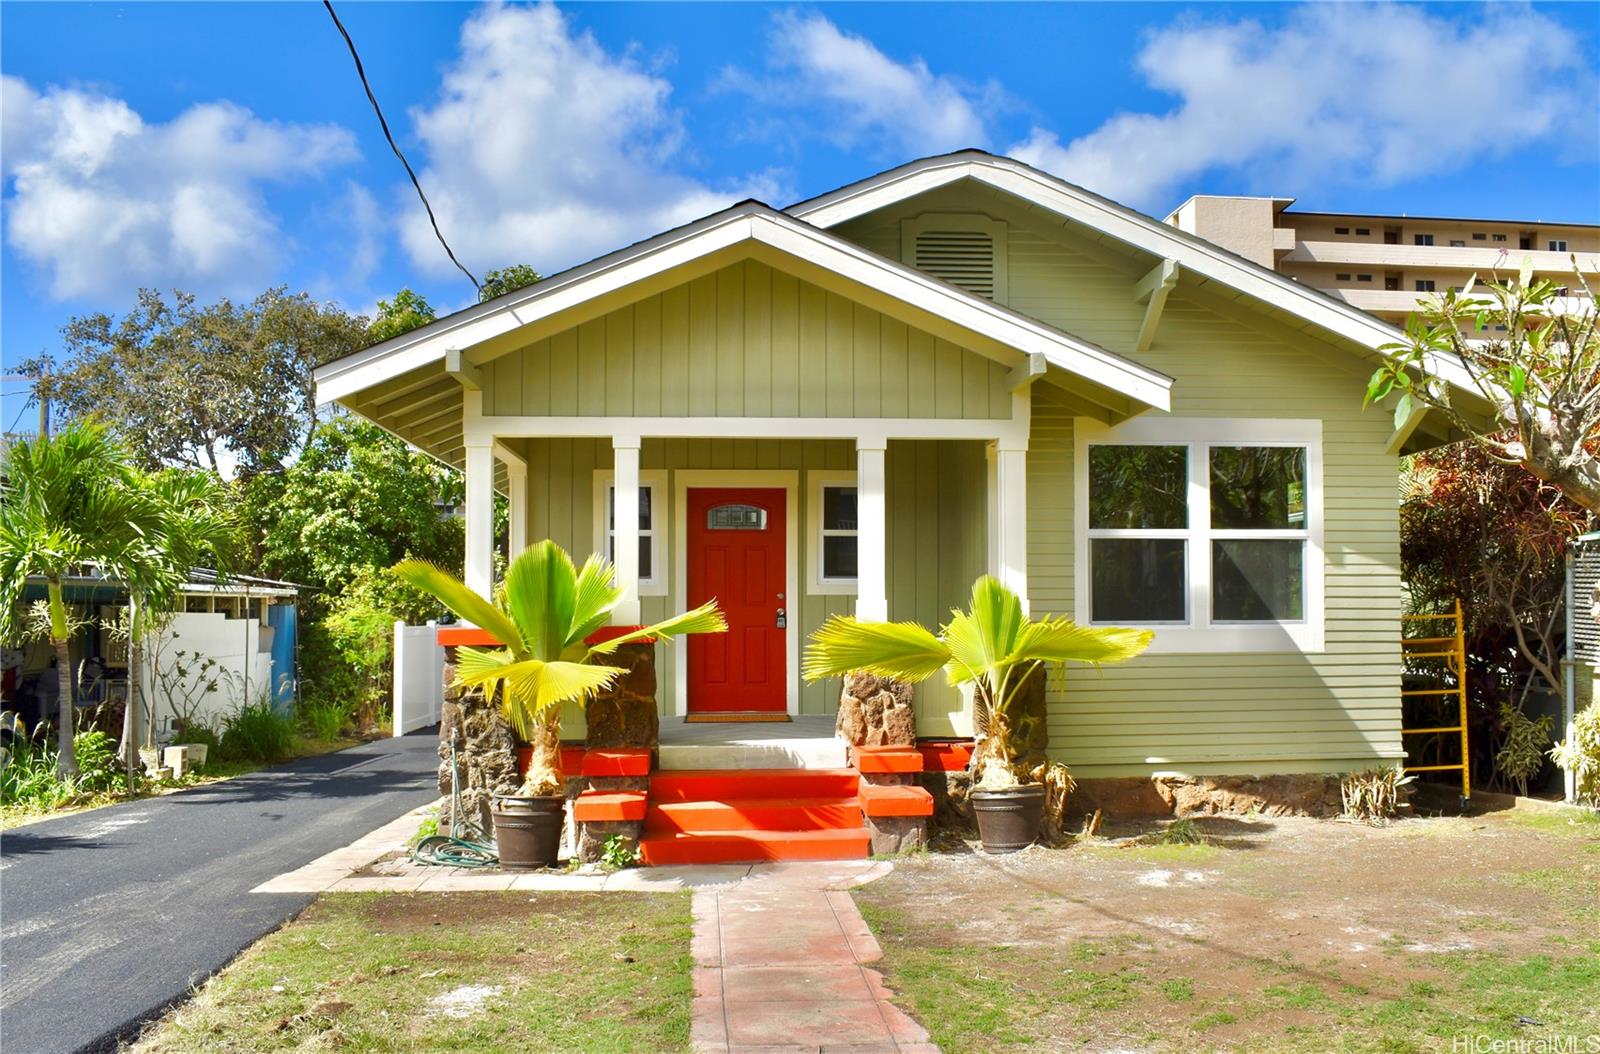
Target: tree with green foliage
<point x="407" y="311"/>
<point x="507" y="280"/>
<point x="357" y="497"/>
<point x="72" y="501"/>
<point x="197" y="385"/>
<point x="1540" y="371"/>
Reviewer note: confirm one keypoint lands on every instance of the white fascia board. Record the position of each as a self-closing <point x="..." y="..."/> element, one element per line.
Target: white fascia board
<point x="1125" y="225"/>
<point x="755" y="223"/>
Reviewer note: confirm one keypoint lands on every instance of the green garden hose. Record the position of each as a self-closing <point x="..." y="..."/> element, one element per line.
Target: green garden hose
<point x="446" y="850"/>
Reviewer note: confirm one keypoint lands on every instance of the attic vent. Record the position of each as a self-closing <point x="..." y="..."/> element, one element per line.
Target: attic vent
<point x="965" y="250"/>
<point x="963" y="258"/>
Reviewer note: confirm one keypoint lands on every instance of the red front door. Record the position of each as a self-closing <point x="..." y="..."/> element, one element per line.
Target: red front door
<point x="736" y="543"/>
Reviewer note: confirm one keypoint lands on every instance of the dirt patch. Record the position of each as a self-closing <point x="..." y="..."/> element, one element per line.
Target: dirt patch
<point x="1276" y="932"/>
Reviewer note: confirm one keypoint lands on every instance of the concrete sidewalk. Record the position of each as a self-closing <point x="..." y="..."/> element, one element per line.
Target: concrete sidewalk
<point x="783" y="964"/>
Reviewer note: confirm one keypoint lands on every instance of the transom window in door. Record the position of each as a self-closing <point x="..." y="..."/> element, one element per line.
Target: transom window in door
<point x="736" y="517"/>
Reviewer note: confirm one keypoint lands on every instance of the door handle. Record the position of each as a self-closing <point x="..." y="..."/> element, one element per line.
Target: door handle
<point x="783" y="619"/>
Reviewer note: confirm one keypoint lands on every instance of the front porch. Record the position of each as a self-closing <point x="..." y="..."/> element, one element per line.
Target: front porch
<point x="881" y="525"/>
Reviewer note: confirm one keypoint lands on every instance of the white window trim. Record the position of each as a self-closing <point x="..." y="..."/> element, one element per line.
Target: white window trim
<point x="816" y="584"/>
<point x="656" y="584"/>
<point x="1200" y="635"/>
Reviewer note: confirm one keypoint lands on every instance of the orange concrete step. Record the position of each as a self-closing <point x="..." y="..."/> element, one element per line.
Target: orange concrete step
<point x="741" y="847"/>
<point x="681" y="785"/>
<point x="571" y="760"/>
<point x="753" y="814"/>
<point x="940" y="755"/>
<point x="878" y="800"/>
<point x="616" y="761"/>
<point x="595" y="806"/>
<point x="887" y="759"/>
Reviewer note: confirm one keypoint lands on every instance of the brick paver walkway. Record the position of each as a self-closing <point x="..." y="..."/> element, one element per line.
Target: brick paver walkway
<point x="782" y="964"/>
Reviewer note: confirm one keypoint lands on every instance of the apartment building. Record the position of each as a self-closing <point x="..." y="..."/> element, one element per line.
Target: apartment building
<point x="1385" y="264"/>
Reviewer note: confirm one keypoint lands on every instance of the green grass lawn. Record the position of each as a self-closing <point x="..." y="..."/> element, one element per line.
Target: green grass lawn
<point x="452" y="972"/>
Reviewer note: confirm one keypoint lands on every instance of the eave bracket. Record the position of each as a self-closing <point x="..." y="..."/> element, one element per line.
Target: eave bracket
<point x="1152" y="292"/>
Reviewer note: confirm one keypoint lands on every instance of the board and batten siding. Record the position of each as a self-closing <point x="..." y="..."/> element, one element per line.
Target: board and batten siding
<point x="746" y="341"/>
<point x="936" y="524"/>
<point x="1206" y="713"/>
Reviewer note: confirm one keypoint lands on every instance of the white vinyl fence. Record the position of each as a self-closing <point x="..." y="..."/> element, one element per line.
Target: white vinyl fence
<point x="418" y="677"/>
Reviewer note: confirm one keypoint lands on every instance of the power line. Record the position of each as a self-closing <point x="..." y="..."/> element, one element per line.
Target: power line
<point x="373" y="99"/>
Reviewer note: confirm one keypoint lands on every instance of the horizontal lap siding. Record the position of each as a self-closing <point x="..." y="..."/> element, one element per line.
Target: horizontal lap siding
<point x="1202" y="713"/>
<point x="746" y="341"/>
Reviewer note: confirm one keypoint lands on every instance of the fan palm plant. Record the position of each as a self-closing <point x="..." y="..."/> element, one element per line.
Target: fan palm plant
<point x="992" y="646"/>
<point x="542" y="616"/>
<point x="72" y="502"/>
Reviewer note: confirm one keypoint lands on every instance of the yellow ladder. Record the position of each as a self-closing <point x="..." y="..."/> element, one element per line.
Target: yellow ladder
<point x="1452" y="648"/>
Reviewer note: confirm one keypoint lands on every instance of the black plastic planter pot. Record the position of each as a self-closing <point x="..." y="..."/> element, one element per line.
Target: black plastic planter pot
<point x="1009" y="820"/>
<point x="527" y="832"/>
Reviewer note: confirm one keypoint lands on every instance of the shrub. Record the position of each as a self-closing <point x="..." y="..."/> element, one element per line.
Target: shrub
<point x="29" y="779"/>
<point x="323" y="721"/>
<point x="1373" y="796"/>
<point x="1182" y="831"/>
<point x="256" y="732"/>
<point x="197" y="732"/>
<point x="1521" y="756"/>
<point x="1580" y="754"/>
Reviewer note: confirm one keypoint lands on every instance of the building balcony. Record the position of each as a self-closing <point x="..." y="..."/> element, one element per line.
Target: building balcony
<point x="1437" y="257"/>
<point x="1393" y="302"/>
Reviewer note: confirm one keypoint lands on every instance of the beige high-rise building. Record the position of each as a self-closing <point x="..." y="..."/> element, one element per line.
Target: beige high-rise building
<point x="1386" y="264"/>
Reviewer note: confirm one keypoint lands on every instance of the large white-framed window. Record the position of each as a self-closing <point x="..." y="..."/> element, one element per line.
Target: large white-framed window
<point x="831" y="542"/>
<point x="1208" y="531"/>
<point x="652" y="526"/>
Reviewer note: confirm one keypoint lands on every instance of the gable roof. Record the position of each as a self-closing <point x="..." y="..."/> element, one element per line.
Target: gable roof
<point x="748" y="228"/>
<point x="1129" y="226"/>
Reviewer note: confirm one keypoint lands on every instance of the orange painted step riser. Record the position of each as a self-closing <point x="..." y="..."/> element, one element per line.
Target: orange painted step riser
<point x="751" y="816"/>
<point x="732" y="851"/>
<point x="734" y="783"/>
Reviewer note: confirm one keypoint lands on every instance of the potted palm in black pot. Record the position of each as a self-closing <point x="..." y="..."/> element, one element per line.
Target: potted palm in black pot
<point x="542" y="618"/>
<point x="993" y="647"/>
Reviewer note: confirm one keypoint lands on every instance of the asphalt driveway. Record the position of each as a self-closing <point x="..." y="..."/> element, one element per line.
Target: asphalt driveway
<point x="109" y="916"/>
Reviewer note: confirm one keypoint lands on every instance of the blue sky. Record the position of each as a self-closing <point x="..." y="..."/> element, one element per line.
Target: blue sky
<point x="223" y="148"/>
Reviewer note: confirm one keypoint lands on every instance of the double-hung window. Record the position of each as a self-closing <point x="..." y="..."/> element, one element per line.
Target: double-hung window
<point x="1207" y="531"/>
<point x="652" y="526"/>
<point x="832" y="546"/>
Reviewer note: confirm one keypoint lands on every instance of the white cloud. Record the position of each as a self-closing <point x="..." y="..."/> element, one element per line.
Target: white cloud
<point x="1342" y="93"/>
<point x="103" y="201"/>
<point x="862" y="95"/>
<point x="543" y="148"/>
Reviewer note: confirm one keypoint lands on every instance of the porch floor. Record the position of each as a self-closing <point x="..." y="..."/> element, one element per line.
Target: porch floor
<point x="805" y="742"/>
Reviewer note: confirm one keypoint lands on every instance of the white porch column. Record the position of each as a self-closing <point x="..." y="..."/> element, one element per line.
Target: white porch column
<point x="517" y="500"/>
<point x="625" y="452"/>
<point x="872" y="533"/>
<point x="479" y="571"/>
<point x="1010" y="518"/>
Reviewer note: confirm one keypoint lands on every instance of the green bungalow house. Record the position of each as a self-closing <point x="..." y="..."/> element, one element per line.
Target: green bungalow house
<point x="865" y="400"/>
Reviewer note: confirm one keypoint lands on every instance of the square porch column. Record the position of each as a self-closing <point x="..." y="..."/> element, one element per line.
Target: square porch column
<point x="1008" y="518"/>
<point x="625" y="525"/>
<point x="872" y="533"/>
<point x="479" y="571"/>
<point x="517" y="501"/>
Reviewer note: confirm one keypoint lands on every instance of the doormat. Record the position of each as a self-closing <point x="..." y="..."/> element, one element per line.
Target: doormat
<point x="735" y="718"/>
